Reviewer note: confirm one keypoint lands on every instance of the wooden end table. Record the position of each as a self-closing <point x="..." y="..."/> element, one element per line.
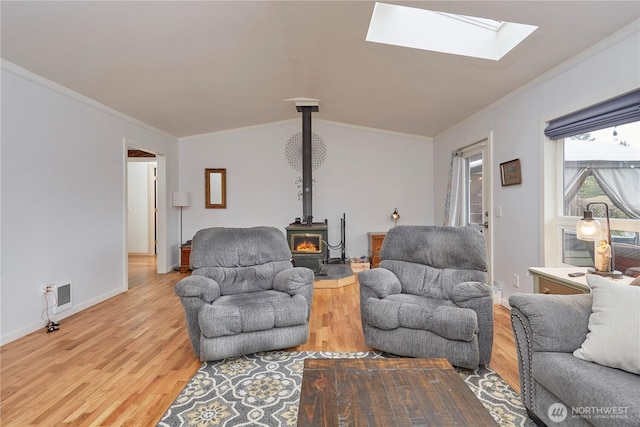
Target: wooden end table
<point x="548" y="280"/>
<point x="387" y="392"/>
<point x="185" y="254"/>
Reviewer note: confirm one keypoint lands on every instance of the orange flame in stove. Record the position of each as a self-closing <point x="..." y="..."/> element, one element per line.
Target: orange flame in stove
<point x="307" y="245"/>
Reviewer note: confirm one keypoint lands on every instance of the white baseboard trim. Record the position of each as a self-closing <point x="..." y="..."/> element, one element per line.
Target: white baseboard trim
<point x="39" y="326"/>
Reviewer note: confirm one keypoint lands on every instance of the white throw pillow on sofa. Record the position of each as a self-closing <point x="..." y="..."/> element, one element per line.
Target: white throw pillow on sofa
<point x="614" y="325"/>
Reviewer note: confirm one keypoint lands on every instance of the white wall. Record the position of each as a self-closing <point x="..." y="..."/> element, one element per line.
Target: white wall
<point x="63" y="192"/>
<point x="138" y="207"/>
<point x="608" y="69"/>
<point x="366" y="174"/>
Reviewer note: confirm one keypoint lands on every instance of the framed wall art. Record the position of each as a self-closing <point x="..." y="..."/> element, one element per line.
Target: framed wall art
<point x="510" y="173"/>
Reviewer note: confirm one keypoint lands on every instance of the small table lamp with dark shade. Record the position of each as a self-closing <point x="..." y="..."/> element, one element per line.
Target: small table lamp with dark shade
<point x="395" y="216"/>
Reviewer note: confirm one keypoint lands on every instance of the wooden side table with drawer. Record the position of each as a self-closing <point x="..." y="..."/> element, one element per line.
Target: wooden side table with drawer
<point x="375" y="243"/>
<point x="557" y="281"/>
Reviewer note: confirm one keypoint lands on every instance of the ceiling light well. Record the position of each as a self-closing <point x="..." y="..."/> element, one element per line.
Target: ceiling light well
<point x="444" y="32"/>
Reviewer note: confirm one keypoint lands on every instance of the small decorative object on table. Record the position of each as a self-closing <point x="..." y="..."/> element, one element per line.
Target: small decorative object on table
<point x="359" y="264"/>
<point x="603" y="256"/>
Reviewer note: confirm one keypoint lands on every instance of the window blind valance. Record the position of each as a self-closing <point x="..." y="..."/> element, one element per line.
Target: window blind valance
<point x="614" y="112"/>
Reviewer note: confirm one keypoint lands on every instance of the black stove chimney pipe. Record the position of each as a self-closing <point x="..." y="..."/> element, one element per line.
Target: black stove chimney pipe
<point x="307" y="164"/>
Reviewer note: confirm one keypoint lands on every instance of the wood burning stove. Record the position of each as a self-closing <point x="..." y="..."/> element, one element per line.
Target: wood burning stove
<point x="308" y="244"/>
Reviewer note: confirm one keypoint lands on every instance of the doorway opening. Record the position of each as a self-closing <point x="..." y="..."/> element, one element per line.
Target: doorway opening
<point x="144" y="213"/>
<point x="142" y="205"/>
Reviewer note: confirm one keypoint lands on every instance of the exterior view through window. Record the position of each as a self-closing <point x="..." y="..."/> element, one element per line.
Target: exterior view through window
<point x="603" y="166"/>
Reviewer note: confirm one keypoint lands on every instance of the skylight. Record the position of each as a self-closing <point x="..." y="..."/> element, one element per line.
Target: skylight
<point x="445" y="32"/>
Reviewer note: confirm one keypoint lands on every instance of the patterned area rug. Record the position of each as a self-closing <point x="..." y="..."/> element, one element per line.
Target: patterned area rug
<point x="263" y="389"/>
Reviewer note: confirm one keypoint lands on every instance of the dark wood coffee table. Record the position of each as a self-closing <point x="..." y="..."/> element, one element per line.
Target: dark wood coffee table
<point x="387" y="392"/>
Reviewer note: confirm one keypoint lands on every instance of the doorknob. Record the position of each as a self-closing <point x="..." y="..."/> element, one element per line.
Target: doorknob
<point x="485" y="224"/>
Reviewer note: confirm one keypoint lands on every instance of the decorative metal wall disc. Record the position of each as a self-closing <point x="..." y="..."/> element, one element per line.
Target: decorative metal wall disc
<point x="293" y="151"/>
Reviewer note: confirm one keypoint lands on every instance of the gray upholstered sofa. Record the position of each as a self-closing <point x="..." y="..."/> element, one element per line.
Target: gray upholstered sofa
<point x="244" y="295"/>
<point x="429" y="297"/>
<point x="557" y="387"/>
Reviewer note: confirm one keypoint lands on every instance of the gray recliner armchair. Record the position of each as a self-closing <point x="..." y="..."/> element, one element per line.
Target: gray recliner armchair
<point x="244" y="295"/>
<point x="429" y="297"/>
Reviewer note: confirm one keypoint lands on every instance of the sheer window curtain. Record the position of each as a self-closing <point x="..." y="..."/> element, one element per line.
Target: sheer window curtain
<point x="455" y="204"/>
<point x="574" y="177"/>
<point x="620" y="184"/>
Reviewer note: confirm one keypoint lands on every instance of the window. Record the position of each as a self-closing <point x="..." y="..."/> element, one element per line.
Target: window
<point x="476" y="202"/>
<point x="602" y="166"/>
<point x="598" y="160"/>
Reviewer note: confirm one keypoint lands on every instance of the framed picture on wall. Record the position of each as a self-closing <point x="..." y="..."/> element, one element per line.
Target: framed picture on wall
<point x="510" y="172"/>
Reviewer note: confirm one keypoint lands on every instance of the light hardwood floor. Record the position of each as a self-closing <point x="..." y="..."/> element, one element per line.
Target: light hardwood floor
<point x="123" y="362"/>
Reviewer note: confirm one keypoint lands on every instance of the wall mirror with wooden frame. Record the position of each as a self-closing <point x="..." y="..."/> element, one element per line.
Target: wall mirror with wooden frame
<point x="215" y="188"/>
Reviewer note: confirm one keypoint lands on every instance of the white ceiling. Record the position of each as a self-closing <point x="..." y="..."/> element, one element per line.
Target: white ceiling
<point x="196" y="67"/>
